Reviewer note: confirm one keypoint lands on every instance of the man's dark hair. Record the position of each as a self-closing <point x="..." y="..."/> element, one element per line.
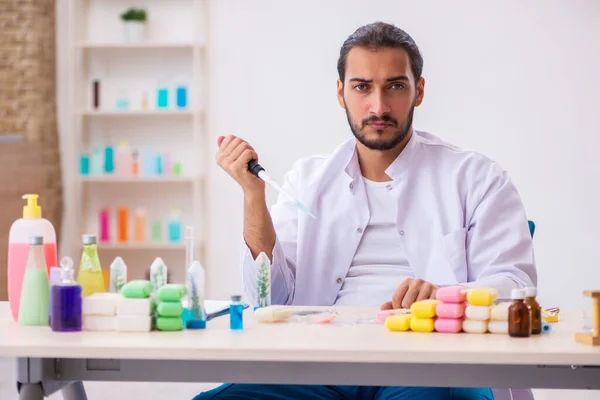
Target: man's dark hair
<point x="380" y="35"/>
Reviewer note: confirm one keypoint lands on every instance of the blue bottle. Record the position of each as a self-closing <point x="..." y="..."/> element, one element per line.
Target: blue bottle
<point x="181" y="96"/>
<point x="236" y="313"/>
<point x="84" y="164"/>
<point x="174" y="226"/>
<point x="109" y="160"/>
<point x="162" y="97"/>
<point x="159" y="164"/>
<point x="148" y="163"/>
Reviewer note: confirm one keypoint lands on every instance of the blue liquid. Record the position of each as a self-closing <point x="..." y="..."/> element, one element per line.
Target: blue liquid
<point x="162" y="96"/>
<point x="84" y="164"/>
<point x="174" y="231"/>
<point x="109" y="160"/>
<point x="159" y="165"/>
<point x="236" y="317"/>
<point x="181" y="96"/>
<point x="122" y="104"/>
<point x="66" y="308"/>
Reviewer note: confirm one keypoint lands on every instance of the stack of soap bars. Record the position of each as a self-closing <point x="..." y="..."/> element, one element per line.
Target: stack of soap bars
<point x="169" y="308"/>
<point x="451" y="310"/>
<point x="134" y="308"/>
<point x="99" y="311"/>
<point x="499" y="318"/>
<point x="479" y="308"/>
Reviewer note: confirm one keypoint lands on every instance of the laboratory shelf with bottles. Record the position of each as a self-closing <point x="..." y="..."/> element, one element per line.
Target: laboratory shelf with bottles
<point x="136" y="107"/>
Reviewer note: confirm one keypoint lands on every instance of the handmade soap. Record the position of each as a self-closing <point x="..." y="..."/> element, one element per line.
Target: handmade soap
<point x="169" y="323"/>
<point x="422" y="324"/>
<point x="169" y="309"/>
<point x="171" y="292"/>
<point x="500" y="312"/>
<point x="99" y="323"/>
<point x="478" y="313"/>
<point x="137" y="289"/>
<point x="141" y="307"/>
<point x="133" y="323"/>
<point x="398" y="323"/>
<point x="99" y="304"/>
<point x="424" y="308"/>
<point x="482" y="296"/>
<point x="450" y="310"/>
<point x="498" y="327"/>
<point x="448" y="325"/>
<point x="272" y="313"/>
<point x="472" y="326"/>
<point x="452" y="294"/>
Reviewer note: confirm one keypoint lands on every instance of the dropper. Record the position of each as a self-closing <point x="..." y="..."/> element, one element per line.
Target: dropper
<point x="260" y="172"/>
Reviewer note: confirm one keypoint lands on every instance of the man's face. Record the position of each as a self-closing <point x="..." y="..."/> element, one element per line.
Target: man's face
<point x="379" y="94"/>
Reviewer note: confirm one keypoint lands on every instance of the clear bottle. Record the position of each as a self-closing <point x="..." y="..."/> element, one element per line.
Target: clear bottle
<point x="35" y="295"/>
<point x="123" y="160"/>
<point x="536" y="310"/>
<point x="66" y="301"/>
<point x="519" y="315"/>
<point x="97" y="162"/>
<point x="236" y="313"/>
<point x="158" y="274"/>
<point x="90" y="275"/>
<point x="263" y="280"/>
<point x="118" y="275"/>
<point x="196" y="315"/>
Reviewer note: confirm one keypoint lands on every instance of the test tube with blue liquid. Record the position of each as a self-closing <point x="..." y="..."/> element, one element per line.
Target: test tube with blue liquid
<point x="196" y="315"/>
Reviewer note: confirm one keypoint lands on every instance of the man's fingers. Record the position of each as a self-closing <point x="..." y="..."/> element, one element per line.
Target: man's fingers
<point x="220" y="140"/>
<point x="387" y="306"/>
<point x="425" y="291"/>
<point x="243" y="160"/>
<point x="399" y="294"/>
<point x="237" y="152"/>
<point x="412" y="293"/>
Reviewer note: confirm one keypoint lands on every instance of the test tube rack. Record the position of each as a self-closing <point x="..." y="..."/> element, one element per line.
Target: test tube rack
<point x="592" y="338"/>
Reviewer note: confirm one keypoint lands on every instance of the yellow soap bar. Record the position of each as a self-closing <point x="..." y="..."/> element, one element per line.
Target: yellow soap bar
<point x="550" y="317"/>
<point x="482" y="296"/>
<point x="424" y="308"/>
<point x="422" y="324"/>
<point x="398" y="323"/>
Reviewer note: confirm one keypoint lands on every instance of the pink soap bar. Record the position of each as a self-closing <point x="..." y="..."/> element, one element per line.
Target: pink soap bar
<point x="452" y="294"/>
<point x="450" y="310"/>
<point x="448" y="325"/>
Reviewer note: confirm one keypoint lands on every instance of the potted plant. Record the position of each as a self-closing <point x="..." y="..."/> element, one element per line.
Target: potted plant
<point x="134" y="22"/>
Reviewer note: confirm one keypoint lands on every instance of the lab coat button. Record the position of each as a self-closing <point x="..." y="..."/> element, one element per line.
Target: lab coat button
<point x="389" y="187"/>
<point x="351" y="186"/>
<point x="401" y="233"/>
<point x="339" y="280"/>
<point x="359" y="230"/>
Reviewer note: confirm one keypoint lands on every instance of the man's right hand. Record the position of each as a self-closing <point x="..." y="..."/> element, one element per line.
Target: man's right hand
<point x="233" y="156"/>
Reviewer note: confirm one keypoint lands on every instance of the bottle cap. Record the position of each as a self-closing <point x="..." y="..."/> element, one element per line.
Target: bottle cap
<point x="31" y="210"/>
<point x="518" y="294"/>
<point x="531" y="292"/>
<point x="36" y="240"/>
<point x="66" y="270"/>
<point x="236" y="298"/>
<point x="89" y="239"/>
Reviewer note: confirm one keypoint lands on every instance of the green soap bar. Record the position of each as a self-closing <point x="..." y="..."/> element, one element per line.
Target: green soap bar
<point x="152" y="305"/>
<point x="137" y="289"/>
<point x="169" y="324"/>
<point x="169" y="309"/>
<point x="171" y="292"/>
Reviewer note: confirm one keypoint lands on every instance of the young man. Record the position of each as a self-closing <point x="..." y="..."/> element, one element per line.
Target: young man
<point x="399" y="212"/>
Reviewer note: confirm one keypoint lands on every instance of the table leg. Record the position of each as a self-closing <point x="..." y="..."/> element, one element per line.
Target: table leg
<point x="31" y="391"/>
<point x="74" y="391"/>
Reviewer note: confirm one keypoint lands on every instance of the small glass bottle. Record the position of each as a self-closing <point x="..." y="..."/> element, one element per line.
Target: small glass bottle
<point x="55" y="278"/>
<point x="263" y="280"/>
<point x="90" y="271"/>
<point x="66" y="301"/>
<point x="196" y="315"/>
<point x="536" y="310"/>
<point x="118" y="275"/>
<point x="236" y="313"/>
<point x="519" y="315"/>
<point x="175" y="226"/>
<point x="35" y="294"/>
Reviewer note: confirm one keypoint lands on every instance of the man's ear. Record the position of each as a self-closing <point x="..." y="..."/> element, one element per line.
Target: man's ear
<point x="340" y="93"/>
<point x="420" y="91"/>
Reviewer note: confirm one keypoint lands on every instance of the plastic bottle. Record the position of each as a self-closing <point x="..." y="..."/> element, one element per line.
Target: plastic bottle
<point x="236" y="313"/>
<point x="135" y="163"/>
<point x="66" y="301"/>
<point x="181" y="94"/>
<point x="35" y="297"/>
<point x="139" y="225"/>
<point x="97" y="162"/>
<point x="109" y="160"/>
<point x="90" y="272"/>
<point x="536" y="310"/>
<point x="104" y="225"/>
<point x="196" y="315"/>
<point x="118" y="275"/>
<point x="123" y="225"/>
<point x="32" y="224"/>
<point x="123" y="160"/>
<point x="84" y="164"/>
<point x="175" y="226"/>
<point x="519" y="315"/>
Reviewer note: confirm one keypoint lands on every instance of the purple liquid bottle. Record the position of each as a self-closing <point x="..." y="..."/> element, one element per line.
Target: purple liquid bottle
<point x="66" y="300"/>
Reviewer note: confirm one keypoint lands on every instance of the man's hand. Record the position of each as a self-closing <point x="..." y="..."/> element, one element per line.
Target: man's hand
<point x="233" y="156"/>
<point x="409" y="291"/>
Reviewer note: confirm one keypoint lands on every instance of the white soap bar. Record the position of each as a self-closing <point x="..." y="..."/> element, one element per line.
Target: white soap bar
<point x="139" y="307"/>
<point x="134" y="323"/>
<point x="100" y="304"/>
<point x="99" y="323"/>
<point x="475" y="326"/>
<point x="500" y="311"/>
<point x="498" y="327"/>
<point x="477" y="313"/>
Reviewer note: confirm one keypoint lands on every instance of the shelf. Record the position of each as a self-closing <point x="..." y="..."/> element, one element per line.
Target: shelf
<point x="140" y="45"/>
<point x="137" y="113"/>
<point x="106" y="179"/>
<point x="141" y="246"/>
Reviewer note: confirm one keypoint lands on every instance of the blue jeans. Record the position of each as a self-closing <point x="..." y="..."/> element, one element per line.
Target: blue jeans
<point x="313" y="392"/>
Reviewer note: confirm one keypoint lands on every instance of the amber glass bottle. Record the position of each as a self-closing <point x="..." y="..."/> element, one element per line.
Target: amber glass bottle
<point x="519" y="315"/>
<point x="536" y="310"/>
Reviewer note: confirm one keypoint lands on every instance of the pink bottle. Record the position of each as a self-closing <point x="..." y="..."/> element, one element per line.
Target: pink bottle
<point x="123" y="161"/>
<point x="104" y="226"/>
<point x="32" y="224"/>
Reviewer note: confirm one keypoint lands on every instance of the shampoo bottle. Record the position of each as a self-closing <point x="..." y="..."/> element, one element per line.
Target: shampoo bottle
<point x="32" y="224"/>
<point x="35" y="295"/>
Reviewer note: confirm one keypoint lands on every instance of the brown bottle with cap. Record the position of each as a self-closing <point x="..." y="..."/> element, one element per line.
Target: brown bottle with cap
<point x="536" y="310"/>
<point x="519" y="315"/>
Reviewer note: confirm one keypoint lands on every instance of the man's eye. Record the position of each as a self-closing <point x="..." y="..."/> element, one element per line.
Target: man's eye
<point x="361" y="87"/>
<point x="397" y="86"/>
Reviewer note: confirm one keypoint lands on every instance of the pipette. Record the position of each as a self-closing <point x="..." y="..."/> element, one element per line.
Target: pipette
<point x="260" y="172"/>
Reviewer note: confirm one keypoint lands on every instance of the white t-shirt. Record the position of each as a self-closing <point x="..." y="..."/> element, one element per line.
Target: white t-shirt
<point x="379" y="264"/>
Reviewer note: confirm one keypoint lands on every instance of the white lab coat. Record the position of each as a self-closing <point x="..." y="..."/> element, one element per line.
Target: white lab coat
<point x="460" y="221"/>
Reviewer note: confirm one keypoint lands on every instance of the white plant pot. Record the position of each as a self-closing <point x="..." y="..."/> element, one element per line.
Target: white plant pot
<point x="134" y="31"/>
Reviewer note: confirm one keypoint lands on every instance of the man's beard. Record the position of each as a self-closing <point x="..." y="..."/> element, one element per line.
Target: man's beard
<point x="379" y="144"/>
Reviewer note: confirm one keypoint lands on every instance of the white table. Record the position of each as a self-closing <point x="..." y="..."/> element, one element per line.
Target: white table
<point x="298" y="353"/>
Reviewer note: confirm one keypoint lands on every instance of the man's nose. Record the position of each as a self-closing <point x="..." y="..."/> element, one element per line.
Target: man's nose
<point x="379" y="105"/>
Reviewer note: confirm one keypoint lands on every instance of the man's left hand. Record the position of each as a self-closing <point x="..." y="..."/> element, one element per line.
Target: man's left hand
<point x="409" y="291"/>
